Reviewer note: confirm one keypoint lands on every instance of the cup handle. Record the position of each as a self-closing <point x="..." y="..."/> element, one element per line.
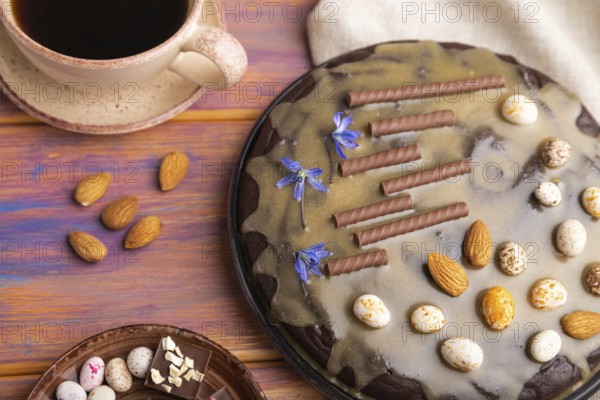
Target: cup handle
<point x="211" y="55"/>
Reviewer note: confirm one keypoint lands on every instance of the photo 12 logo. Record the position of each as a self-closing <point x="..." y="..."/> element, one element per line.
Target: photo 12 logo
<point x="35" y="92"/>
<point x="516" y="332"/>
<point x="66" y="171"/>
<point x="49" y="332"/>
<point x="264" y="92"/>
<point x="266" y="12"/>
<point x="453" y="12"/>
<point x="59" y="253"/>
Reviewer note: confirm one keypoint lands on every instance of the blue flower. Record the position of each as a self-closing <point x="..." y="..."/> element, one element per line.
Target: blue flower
<point x="308" y="260"/>
<point x="299" y="175"/>
<point x="342" y="136"/>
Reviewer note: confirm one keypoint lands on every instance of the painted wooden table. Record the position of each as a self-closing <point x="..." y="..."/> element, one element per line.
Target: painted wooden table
<point x="50" y="300"/>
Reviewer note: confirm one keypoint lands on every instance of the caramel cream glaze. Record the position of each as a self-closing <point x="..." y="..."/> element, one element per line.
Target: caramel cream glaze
<point x="498" y="191"/>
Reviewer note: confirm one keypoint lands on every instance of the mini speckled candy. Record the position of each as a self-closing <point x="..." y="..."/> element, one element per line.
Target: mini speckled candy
<point x="102" y="393"/>
<point x="462" y="354"/>
<point x="591" y="201"/>
<point x="519" y="110"/>
<point x="68" y="390"/>
<point x="545" y="345"/>
<point x="555" y="152"/>
<point x="498" y="307"/>
<point x="512" y="258"/>
<point x="139" y="360"/>
<point x="91" y="374"/>
<point x="571" y="238"/>
<point x="427" y="319"/>
<point x="592" y="278"/>
<point x="548" y="294"/>
<point x="117" y="375"/>
<point x="548" y="194"/>
<point x="371" y="310"/>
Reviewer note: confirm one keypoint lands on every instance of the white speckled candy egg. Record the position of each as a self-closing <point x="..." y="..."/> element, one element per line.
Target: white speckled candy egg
<point x="571" y="238"/>
<point x="591" y="201"/>
<point x="545" y="345"/>
<point x="548" y="294"/>
<point x="555" y="152"/>
<point x="102" y="393"/>
<point x="117" y="375"/>
<point x="70" y="391"/>
<point x="371" y="310"/>
<point x="139" y="360"/>
<point x="91" y="374"/>
<point x="512" y="258"/>
<point x="427" y="319"/>
<point x="463" y="354"/>
<point x="548" y="194"/>
<point x="519" y="110"/>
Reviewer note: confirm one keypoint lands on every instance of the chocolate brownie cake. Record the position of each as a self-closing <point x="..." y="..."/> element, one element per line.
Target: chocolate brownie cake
<point x="416" y="216"/>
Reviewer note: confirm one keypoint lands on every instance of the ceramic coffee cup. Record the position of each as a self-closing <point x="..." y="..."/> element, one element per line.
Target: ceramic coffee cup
<point x="197" y="52"/>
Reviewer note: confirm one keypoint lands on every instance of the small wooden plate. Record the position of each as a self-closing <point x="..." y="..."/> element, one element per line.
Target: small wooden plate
<point x="224" y="368"/>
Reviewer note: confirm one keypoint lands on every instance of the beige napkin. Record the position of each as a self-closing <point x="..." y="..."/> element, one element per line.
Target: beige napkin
<point x="558" y="37"/>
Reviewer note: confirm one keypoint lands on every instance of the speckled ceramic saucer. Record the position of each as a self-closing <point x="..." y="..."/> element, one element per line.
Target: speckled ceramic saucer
<point x="122" y="107"/>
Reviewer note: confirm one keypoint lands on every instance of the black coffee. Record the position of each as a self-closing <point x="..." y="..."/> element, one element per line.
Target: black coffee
<point x="100" y="29"/>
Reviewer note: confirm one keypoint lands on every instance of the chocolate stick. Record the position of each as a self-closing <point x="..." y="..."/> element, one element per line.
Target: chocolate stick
<point x="357" y="262"/>
<point x="422" y="90"/>
<point x="439" y="173"/>
<point x="397" y="155"/>
<point x="411" y="224"/>
<point x="386" y="207"/>
<point x="412" y="123"/>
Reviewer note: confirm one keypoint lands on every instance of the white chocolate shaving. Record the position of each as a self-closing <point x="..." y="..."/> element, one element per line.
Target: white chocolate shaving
<point x="174" y="371"/>
<point x="175" y="381"/>
<point x="188" y="362"/>
<point x="168" y="344"/>
<point x="167" y="388"/>
<point x="189" y="375"/>
<point x="171" y="357"/>
<point x="156" y="377"/>
<point x="198" y="376"/>
<point x="178" y="352"/>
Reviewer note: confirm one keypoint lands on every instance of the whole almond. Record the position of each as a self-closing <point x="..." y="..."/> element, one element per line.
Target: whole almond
<point x="173" y="169"/>
<point x="88" y="247"/>
<point x="581" y="324"/>
<point x="143" y="232"/>
<point x="448" y="274"/>
<point x="478" y="245"/>
<point x="91" y="188"/>
<point x="118" y="214"/>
